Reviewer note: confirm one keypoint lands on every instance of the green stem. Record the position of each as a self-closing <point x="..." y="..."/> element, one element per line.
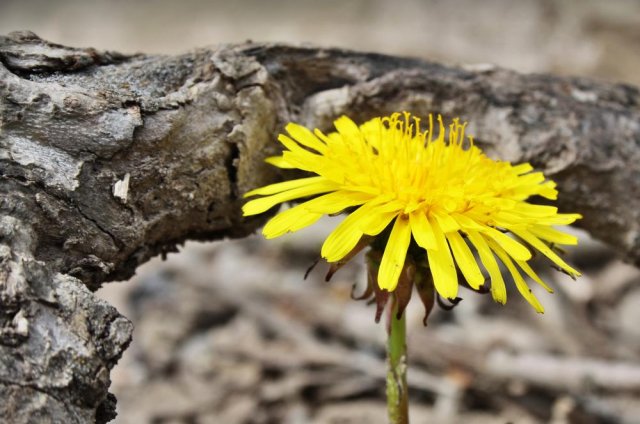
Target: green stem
<point x="397" y="390"/>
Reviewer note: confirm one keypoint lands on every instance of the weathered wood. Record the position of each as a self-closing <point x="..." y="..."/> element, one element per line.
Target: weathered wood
<point x="107" y="160"/>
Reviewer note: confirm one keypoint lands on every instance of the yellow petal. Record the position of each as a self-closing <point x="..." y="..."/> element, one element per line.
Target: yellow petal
<point x="371" y="132"/>
<point x="445" y="221"/>
<point x="445" y="276"/>
<point x="394" y="254"/>
<point x="553" y="235"/>
<point x="531" y="273"/>
<point x="465" y="260"/>
<point x="306" y="161"/>
<point x="422" y="231"/>
<point x="305" y="137"/>
<point x="515" y="249"/>
<point x="323" y="137"/>
<point x="279" y="161"/>
<point x="521" y="285"/>
<point x="545" y="250"/>
<point x="263" y="204"/>
<point x="290" y="220"/>
<point x="336" y="202"/>
<point x="466" y="222"/>
<point x="522" y="168"/>
<point x="283" y="186"/>
<point x="341" y="240"/>
<point x="347" y="128"/>
<point x="559" y="219"/>
<point x="381" y="221"/>
<point x="294" y="147"/>
<point x="536" y="211"/>
<point x="532" y="179"/>
<point x="346" y="235"/>
<point x="508" y="220"/>
<point x="498" y="289"/>
<point x="309" y="212"/>
<point x="381" y="214"/>
<point x="547" y="190"/>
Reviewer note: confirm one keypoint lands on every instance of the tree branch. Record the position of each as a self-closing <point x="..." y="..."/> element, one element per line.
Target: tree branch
<point x="107" y="160"/>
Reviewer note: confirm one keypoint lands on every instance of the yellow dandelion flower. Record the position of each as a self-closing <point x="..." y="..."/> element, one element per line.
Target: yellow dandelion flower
<point x="439" y="191"/>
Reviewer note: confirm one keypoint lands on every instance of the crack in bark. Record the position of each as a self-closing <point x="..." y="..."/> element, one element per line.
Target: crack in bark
<point x="116" y="242"/>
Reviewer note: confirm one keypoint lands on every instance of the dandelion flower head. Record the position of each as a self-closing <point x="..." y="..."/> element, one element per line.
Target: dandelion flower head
<point x="433" y="189"/>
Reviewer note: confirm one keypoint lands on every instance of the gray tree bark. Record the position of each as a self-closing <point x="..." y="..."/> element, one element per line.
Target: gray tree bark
<point x="107" y="160"/>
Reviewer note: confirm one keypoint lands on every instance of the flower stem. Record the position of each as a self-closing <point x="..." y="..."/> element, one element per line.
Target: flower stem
<point x="397" y="390"/>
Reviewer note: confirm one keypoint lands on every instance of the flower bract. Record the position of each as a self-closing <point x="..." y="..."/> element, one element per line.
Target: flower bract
<point x="433" y="189"/>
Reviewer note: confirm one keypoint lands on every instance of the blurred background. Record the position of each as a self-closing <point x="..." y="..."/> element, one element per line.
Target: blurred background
<point x="230" y="332"/>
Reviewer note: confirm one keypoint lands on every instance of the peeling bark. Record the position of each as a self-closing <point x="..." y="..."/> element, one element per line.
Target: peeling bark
<point x="107" y="160"/>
